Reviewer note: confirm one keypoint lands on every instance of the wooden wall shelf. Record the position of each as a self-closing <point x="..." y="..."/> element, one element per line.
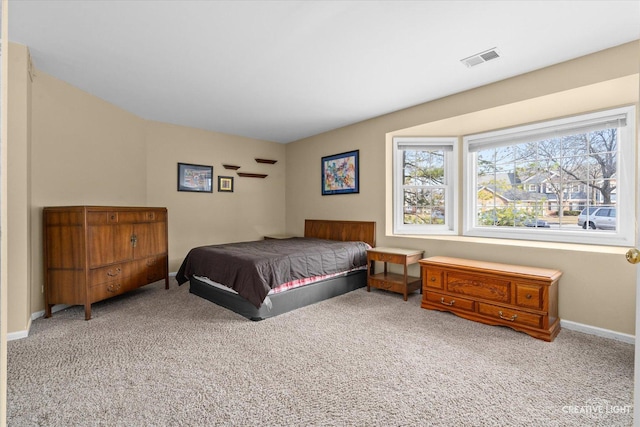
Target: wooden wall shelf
<point x="231" y="167"/>
<point x="266" y="161"/>
<point x="252" y="175"/>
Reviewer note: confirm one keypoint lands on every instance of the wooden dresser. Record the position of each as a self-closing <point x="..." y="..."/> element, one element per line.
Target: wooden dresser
<point x="92" y="253"/>
<point x="523" y="298"/>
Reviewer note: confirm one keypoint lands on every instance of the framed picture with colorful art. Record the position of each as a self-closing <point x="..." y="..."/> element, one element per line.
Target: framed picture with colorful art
<point x="340" y="173"/>
<point x="195" y="178"/>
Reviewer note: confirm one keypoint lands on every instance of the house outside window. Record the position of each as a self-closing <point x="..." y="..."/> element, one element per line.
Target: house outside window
<point x="576" y="162"/>
<point x="424" y="171"/>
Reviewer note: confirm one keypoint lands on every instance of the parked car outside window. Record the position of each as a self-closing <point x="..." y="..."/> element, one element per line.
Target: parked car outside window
<point x="602" y="218"/>
<point x="585" y="214"/>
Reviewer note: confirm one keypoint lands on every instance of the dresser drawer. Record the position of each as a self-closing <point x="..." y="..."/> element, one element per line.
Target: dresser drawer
<point x="110" y="289"/>
<point x="478" y="286"/>
<point x="143" y="216"/>
<point x="529" y="296"/>
<point x="449" y="302"/>
<point x="510" y="315"/>
<point x="103" y="217"/>
<point x="107" y="274"/>
<point x="433" y="278"/>
<point x="156" y="269"/>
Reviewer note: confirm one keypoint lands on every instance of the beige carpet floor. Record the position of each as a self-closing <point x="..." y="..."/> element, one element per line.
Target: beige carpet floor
<point x="169" y="358"/>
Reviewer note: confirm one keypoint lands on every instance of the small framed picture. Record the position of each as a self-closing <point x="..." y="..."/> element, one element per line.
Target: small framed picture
<point x="340" y="173"/>
<point x="225" y="184"/>
<point x="196" y="178"/>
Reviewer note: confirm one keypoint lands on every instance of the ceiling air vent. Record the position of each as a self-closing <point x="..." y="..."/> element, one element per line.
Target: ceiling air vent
<point x="480" y="58"/>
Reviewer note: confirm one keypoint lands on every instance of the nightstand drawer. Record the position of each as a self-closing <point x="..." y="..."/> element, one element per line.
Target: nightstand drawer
<point x="387" y="285"/>
<point x="386" y="257"/>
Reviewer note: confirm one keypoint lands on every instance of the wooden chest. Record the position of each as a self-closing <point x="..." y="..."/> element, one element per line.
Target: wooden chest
<point x="523" y="298"/>
<point x="92" y="253"/>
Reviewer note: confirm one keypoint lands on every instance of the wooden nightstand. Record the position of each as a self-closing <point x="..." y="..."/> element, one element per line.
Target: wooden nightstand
<point x="400" y="283"/>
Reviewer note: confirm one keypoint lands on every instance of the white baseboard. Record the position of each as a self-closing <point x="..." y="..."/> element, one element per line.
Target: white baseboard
<point x="38" y="314"/>
<point x="20" y="334"/>
<point x="594" y="330"/>
<point x="54" y="309"/>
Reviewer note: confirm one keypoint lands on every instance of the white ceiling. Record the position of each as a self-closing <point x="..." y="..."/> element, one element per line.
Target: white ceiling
<point x="285" y="70"/>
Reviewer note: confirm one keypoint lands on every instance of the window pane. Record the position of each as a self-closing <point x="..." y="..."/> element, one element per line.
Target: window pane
<point x="548" y="183"/>
<point x="424" y="206"/>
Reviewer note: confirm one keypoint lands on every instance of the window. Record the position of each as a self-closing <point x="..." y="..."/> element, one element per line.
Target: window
<point x="581" y="162"/>
<point x="424" y="180"/>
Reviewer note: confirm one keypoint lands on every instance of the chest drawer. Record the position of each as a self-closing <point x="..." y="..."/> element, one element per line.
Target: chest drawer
<point x="510" y="315"/>
<point x="529" y="296"/>
<point x="478" y="286"/>
<point x="433" y="278"/>
<point x="449" y="302"/>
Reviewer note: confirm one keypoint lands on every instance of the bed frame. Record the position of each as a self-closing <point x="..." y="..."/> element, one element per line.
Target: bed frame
<point x="364" y="231"/>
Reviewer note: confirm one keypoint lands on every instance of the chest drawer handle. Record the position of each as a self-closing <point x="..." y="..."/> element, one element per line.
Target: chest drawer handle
<point x="433" y="278"/>
<point x="447" y="303"/>
<point x="113" y="288"/>
<point x="510" y="319"/>
<point x="110" y="273"/>
<point x="528" y="296"/>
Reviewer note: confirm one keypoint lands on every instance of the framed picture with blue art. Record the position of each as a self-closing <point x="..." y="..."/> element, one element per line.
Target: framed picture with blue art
<point x="340" y="173"/>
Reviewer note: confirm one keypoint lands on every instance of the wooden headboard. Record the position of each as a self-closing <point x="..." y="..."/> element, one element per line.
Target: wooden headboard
<point x="363" y="231"/>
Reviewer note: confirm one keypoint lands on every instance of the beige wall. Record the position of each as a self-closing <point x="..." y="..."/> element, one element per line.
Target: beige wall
<point x="18" y="186"/>
<point x="597" y="287"/>
<point x="86" y="151"/>
<point x="255" y="208"/>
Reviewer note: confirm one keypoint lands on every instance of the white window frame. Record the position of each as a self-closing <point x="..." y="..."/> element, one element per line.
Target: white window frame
<point x="451" y="184"/>
<point x="625" y="199"/>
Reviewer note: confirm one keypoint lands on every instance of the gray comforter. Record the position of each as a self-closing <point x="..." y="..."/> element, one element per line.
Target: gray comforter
<point x="254" y="268"/>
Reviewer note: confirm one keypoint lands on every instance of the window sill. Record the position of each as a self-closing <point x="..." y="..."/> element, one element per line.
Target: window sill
<point x="574" y="247"/>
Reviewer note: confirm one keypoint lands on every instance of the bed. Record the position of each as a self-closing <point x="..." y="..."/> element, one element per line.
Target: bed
<point x="250" y="278"/>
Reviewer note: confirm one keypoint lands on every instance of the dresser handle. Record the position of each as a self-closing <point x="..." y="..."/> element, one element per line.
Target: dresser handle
<point x="511" y="319"/>
<point x="528" y="296"/>
<point x="433" y="278"/>
<point x="110" y="273"/>
<point x="447" y="303"/>
<point x="113" y="288"/>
